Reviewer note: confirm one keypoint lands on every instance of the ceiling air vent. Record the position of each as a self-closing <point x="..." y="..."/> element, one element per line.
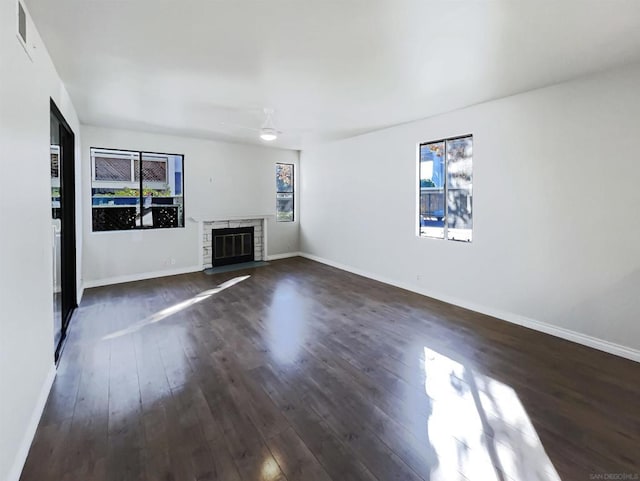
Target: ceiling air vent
<point x="22" y="30"/>
<point x="22" y="23"/>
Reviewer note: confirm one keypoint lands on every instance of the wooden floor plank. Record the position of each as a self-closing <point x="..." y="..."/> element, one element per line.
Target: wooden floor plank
<point x="305" y="372"/>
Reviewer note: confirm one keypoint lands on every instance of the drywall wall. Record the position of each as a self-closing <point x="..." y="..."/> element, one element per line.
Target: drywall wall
<point x="26" y="287"/>
<point x="221" y="180"/>
<point x="556" y="195"/>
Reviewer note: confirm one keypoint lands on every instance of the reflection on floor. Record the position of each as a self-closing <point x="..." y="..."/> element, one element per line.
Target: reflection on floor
<point x="303" y="372"/>
<point x="57" y="318"/>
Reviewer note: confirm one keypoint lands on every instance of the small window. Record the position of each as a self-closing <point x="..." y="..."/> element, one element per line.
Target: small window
<point x="446" y="189"/>
<point x="136" y="190"/>
<point x="284" y="193"/>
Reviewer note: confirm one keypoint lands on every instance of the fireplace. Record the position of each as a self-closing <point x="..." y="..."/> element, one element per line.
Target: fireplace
<point x="209" y="226"/>
<point x="232" y="246"/>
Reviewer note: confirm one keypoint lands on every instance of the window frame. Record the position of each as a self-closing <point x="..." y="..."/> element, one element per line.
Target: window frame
<point x="139" y="183"/>
<point x="445" y="227"/>
<point x="293" y="192"/>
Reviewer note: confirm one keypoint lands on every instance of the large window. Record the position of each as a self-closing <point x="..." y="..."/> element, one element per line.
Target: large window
<point x="446" y="189"/>
<point x="284" y="194"/>
<point x="136" y="190"/>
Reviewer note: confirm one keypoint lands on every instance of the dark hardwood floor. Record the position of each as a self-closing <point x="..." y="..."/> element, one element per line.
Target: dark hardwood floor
<point x="305" y="372"/>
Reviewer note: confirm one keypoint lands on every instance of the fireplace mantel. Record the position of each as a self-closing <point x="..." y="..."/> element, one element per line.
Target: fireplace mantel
<point x="219" y="218"/>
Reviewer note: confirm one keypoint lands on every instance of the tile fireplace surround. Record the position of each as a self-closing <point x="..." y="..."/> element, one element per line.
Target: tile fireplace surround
<point x="259" y="235"/>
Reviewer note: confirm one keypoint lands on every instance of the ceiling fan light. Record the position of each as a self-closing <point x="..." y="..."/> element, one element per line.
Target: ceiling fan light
<point x="268" y="134"/>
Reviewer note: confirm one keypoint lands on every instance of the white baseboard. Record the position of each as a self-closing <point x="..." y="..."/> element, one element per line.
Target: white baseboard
<point x="286" y="255"/>
<point x="577" y="337"/>
<point x="140" y="277"/>
<point x="27" y="439"/>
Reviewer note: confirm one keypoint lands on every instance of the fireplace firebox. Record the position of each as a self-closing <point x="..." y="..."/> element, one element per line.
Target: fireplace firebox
<point x="232" y="246"/>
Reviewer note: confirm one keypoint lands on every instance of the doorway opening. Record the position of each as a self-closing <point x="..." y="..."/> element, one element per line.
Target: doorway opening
<point x="63" y="225"/>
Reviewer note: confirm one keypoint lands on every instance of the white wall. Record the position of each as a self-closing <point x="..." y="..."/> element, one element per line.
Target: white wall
<point x="26" y="288"/>
<point x="556" y="208"/>
<point x="221" y="179"/>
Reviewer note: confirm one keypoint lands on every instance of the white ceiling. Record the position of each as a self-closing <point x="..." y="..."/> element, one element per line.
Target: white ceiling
<point x="329" y="68"/>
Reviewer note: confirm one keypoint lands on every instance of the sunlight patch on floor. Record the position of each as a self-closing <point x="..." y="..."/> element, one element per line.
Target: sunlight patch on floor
<point x="479" y="428"/>
<point x="169" y="311"/>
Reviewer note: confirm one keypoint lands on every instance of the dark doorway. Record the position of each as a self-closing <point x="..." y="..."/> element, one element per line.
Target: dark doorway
<point x="63" y="228"/>
<point x="232" y="246"/>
